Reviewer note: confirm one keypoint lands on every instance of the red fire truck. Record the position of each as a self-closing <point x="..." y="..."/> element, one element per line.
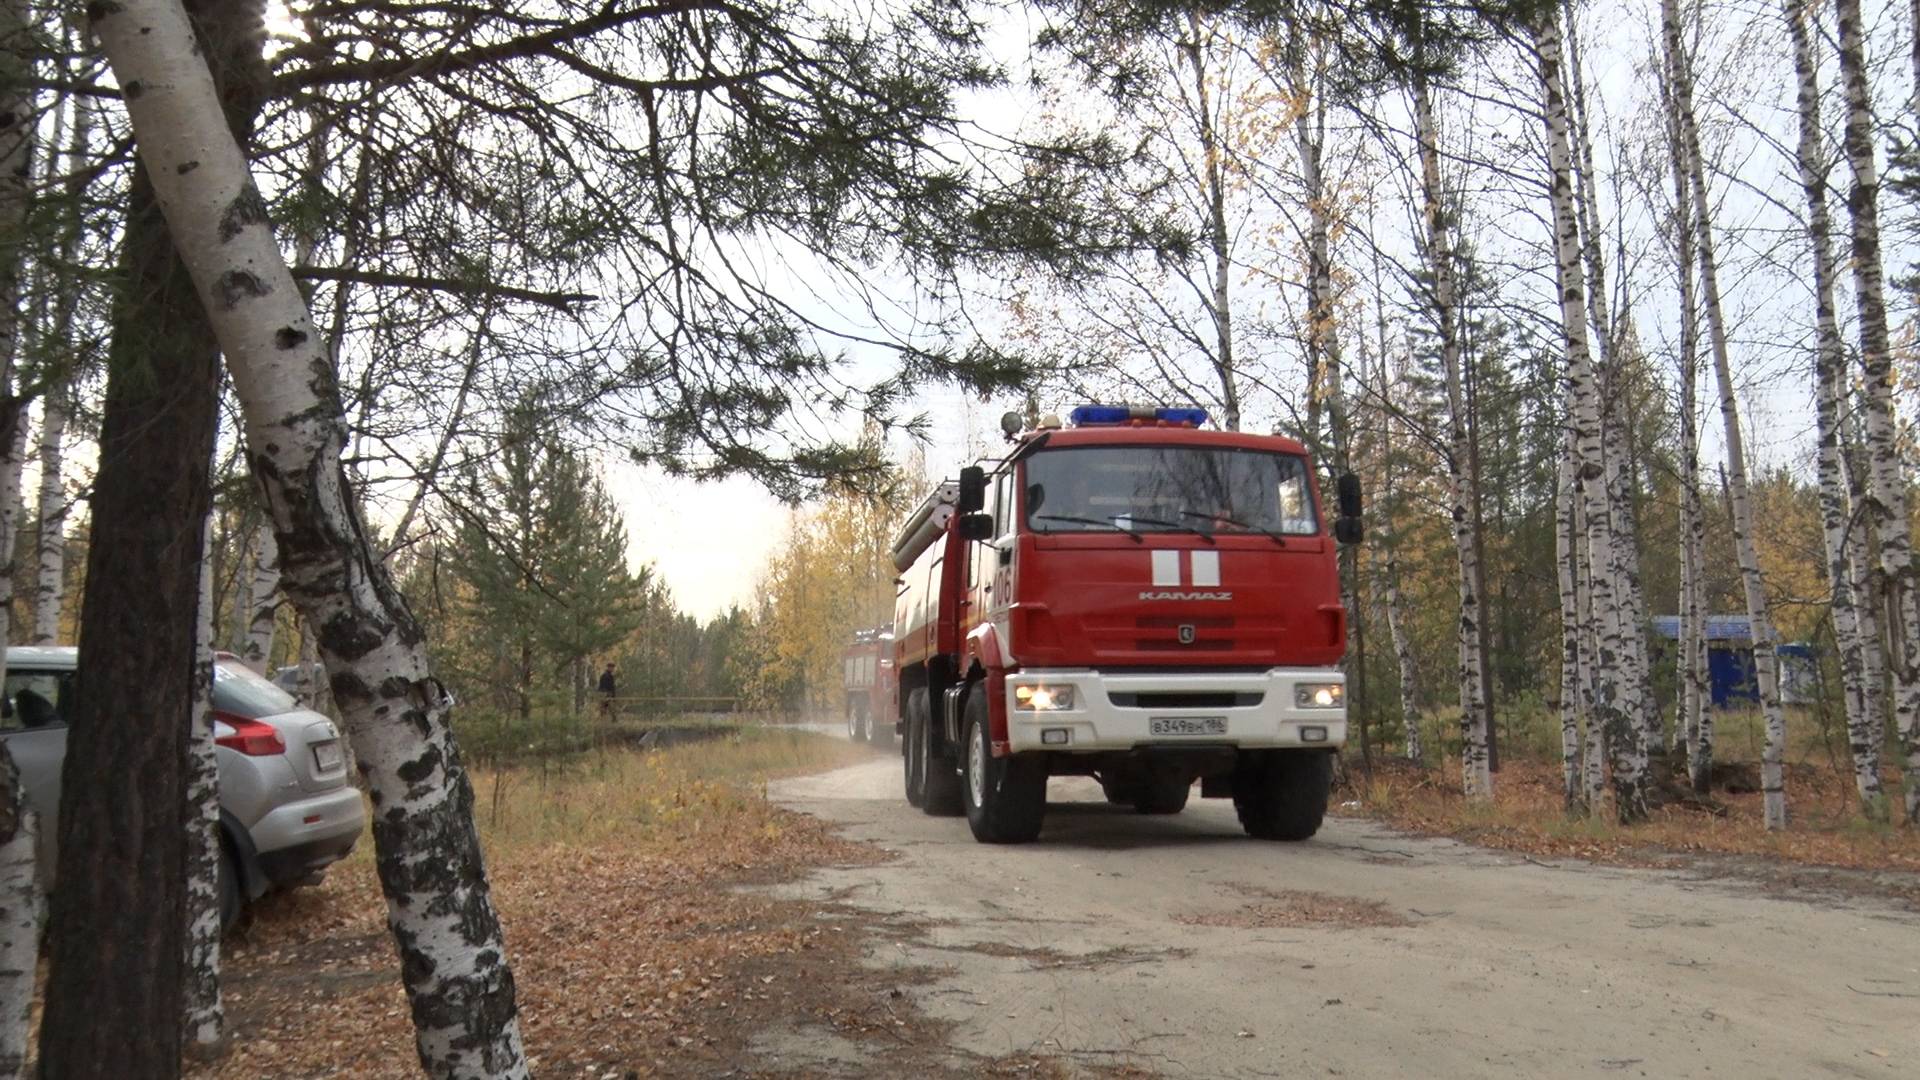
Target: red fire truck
<point x="1135" y="598"/>
<point x="867" y="679"/>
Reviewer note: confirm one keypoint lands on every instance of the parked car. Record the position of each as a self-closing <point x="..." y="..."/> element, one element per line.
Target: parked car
<point x="287" y="810"/>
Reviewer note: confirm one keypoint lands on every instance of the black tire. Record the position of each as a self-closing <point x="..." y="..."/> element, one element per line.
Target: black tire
<point x="856" y="728"/>
<point x="228" y="874"/>
<point x="1118" y="790"/>
<point x="1006" y="797"/>
<point x="1162" y="794"/>
<point x="912" y="763"/>
<point x="1282" y="794"/>
<point x="942" y="779"/>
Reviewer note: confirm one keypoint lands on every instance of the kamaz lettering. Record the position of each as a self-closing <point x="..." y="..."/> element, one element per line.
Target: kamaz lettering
<point x="1186" y="596"/>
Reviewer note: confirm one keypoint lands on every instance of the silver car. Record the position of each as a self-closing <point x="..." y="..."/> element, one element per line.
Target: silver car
<point x="287" y="811"/>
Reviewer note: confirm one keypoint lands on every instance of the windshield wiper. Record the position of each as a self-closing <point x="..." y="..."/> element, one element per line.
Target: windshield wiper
<point x="1110" y="524"/>
<point x="1181" y="525"/>
<point x="1224" y="519"/>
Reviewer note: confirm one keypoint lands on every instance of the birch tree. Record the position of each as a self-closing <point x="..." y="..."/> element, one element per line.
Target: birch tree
<point x="204" y="1018"/>
<point x="263" y="600"/>
<point x="1477" y="777"/>
<point x="1864" y="732"/>
<point x="453" y="957"/>
<point x="1765" y="659"/>
<point x="1886" y="504"/>
<point x="1608" y="665"/>
<point x="1696" y="720"/>
<point x="19" y="916"/>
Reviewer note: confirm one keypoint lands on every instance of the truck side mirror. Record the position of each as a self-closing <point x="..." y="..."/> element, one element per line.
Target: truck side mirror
<point x="976" y="527"/>
<point x="1348" y="528"/>
<point x="1349" y="487"/>
<point x="973" y="489"/>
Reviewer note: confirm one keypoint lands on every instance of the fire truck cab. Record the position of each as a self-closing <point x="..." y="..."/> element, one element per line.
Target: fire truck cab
<point x="866" y="672"/>
<point x="1133" y="598"/>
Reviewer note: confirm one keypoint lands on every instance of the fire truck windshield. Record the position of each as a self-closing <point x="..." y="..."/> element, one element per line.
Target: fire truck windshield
<point x="1151" y="489"/>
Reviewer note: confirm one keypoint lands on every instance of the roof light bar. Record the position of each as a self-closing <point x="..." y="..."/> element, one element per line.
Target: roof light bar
<point x="1110" y="415"/>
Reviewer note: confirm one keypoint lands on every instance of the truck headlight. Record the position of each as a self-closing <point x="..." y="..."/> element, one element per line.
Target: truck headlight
<point x="1042" y="698"/>
<point x="1319" y="695"/>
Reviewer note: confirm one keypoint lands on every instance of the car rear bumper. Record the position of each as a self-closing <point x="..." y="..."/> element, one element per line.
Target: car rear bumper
<point x="295" y="841"/>
<point x="1107" y="714"/>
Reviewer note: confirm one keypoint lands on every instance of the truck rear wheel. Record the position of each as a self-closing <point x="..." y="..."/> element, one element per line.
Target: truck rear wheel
<point x="1282" y="794"/>
<point x="856" y="723"/>
<point x="1006" y="796"/>
<point x="1162" y="794"/>
<point x="914" y="767"/>
<point x="940" y="781"/>
<point x="880" y="732"/>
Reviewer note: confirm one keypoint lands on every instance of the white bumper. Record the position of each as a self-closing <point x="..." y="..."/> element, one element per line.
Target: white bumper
<point x="1117" y="710"/>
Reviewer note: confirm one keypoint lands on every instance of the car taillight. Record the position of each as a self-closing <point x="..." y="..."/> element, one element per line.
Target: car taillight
<point x="250" y="737"/>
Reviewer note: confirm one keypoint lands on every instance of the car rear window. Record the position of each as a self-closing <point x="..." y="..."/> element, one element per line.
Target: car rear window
<point x="241" y="692"/>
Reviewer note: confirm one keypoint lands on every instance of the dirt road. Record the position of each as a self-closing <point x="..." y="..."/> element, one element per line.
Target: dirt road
<point x="1178" y="947"/>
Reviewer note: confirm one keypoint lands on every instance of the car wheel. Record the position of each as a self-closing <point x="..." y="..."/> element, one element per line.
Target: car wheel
<point x="1282" y="794"/>
<point x="229" y="886"/>
<point x="1006" y="797"/>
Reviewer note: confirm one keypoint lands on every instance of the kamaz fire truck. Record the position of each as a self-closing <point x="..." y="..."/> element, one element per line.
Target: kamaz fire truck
<point x="1133" y="597"/>
<point x="866" y="677"/>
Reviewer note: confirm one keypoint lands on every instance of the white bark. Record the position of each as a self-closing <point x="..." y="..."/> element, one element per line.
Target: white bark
<point x="1573" y="712"/>
<point x="1696" y="721"/>
<point x="1219" y="247"/>
<point x="453" y="956"/>
<point x="1765" y="659"/>
<point x="1887" y="491"/>
<point x="1610" y="360"/>
<point x="1609" y="665"/>
<point x="263" y="600"/>
<point x="1863" y="733"/>
<point x="1476" y="771"/>
<point x="19" y="916"/>
<point x="205" y="1016"/>
<point x="51" y="545"/>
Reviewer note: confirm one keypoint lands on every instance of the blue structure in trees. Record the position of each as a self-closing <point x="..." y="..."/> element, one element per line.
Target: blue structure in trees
<point x="1730" y="677"/>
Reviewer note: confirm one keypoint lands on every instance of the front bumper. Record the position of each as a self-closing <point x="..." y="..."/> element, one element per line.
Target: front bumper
<point x="1116" y="710"/>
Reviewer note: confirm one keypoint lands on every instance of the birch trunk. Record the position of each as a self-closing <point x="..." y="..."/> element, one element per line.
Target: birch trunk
<point x="1609" y="663"/>
<point x="205" y="1016"/>
<point x="1594" y="745"/>
<point x="1886" y="504"/>
<point x="1476" y="771"/>
<point x="1572" y="688"/>
<point x="1609" y="372"/>
<point x="263" y="600"/>
<point x="1863" y="735"/>
<point x="1696" y="722"/>
<point x="50" y="547"/>
<point x="453" y="955"/>
<point x="1765" y="659"/>
<point x="1218" y="246"/>
<point x="19" y="915"/>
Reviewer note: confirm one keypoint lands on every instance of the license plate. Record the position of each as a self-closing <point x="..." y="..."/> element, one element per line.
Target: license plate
<point x="327" y="757"/>
<point x="1188" y="725"/>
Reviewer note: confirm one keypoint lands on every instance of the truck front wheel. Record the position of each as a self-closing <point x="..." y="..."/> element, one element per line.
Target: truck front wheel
<point x="1282" y="794"/>
<point x="1006" y="796"/>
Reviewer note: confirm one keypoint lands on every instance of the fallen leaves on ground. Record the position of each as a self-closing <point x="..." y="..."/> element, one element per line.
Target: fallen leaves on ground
<point x="1271" y="908"/>
<point x="1526" y="815"/>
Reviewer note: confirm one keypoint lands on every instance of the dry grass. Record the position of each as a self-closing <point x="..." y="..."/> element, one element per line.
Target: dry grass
<point x="632" y="956"/>
<point x="1527" y="815"/>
